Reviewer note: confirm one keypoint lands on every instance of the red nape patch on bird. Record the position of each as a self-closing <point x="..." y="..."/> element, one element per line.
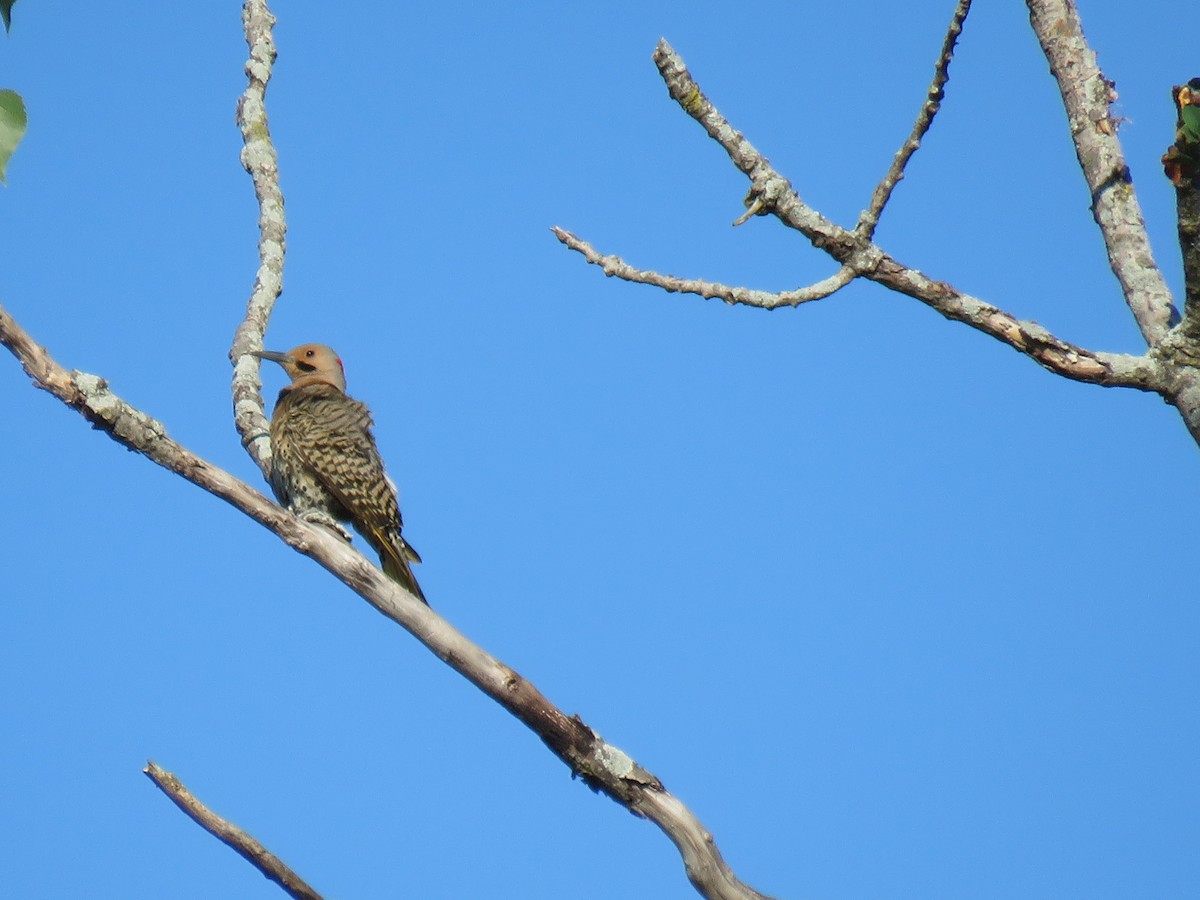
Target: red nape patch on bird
<point x="339" y="362"/>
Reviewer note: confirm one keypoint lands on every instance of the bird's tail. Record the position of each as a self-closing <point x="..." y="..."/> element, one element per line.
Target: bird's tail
<point x="395" y="557"/>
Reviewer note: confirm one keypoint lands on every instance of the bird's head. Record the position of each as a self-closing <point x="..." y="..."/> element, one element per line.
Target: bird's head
<point x="309" y="364"/>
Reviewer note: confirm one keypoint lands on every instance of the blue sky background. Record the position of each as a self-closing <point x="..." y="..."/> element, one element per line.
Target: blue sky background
<point x="894" y="611"/>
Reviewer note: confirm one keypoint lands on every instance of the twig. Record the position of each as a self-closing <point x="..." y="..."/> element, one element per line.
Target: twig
<point x="614" y="266"/>
<point x="754" y="207"/>
<point x="260" y="160"/>
<point x="769" y="190"/>
<point x="869" y="219"/>
<point x="1087" y="95"/>
<point x="225" y="831"/>
<point x="599" y="764"/>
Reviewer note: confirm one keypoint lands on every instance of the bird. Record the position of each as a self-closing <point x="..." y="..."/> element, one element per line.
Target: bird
<point x="325" y="465"/>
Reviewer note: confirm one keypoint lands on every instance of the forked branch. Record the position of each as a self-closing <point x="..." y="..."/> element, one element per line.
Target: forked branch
<point x="771" y="193"/>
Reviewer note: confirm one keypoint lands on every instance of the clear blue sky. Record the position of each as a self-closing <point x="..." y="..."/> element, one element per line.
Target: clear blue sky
<point x="897" y="613"/>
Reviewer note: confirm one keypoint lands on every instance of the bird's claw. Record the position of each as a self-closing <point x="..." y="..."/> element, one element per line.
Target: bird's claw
<point x="319" y="517"/>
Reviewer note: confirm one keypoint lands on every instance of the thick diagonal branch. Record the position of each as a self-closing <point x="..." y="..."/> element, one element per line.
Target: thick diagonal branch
<point x="599" y="764"/>
<point x="225" y="831"/>
<point x="1087" y="95"/>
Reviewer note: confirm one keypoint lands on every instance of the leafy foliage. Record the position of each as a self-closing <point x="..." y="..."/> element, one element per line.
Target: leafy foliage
<point x="1180" y="160"/>
<point x="12" y="126"/>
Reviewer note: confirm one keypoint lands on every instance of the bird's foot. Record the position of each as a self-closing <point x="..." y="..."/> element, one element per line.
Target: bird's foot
<point x="324" y="519"/>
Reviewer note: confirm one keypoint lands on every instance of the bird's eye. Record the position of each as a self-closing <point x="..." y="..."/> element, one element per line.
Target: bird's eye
<point x="309" y="353"/>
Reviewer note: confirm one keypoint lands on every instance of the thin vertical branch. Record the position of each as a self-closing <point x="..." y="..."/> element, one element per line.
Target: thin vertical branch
<point x="1087" y="95"/>
<point x="261" y="161"/>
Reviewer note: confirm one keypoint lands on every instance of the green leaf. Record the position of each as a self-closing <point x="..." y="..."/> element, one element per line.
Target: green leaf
<point x="6" y="13"/>
<point x="1189" y="118"/>
<point x="12" y="127"/>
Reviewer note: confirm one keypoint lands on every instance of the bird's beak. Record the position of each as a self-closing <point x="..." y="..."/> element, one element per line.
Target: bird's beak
<point x="272" y="355"/>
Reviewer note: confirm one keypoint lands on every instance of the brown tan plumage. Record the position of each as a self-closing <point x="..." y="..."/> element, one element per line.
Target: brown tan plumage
<point x="325" y="464"/>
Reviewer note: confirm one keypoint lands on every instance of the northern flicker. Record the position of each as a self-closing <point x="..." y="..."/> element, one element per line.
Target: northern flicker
<point x="325" y="465"/>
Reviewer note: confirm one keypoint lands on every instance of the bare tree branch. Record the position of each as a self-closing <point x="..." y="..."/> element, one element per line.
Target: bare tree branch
<point x="933" y="102"/>
<point x="1087" y="95"/>
<point x="260" y="160"/>
<point x="602" y="766"/>
<point x="225" y="831"/>
<point x="770" y="192"/>
<point x="614" y="266"/>
<point x="869" y="261"/>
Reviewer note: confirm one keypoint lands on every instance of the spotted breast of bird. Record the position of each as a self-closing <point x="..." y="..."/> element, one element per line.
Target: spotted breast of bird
<point x="325" y="465"/>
